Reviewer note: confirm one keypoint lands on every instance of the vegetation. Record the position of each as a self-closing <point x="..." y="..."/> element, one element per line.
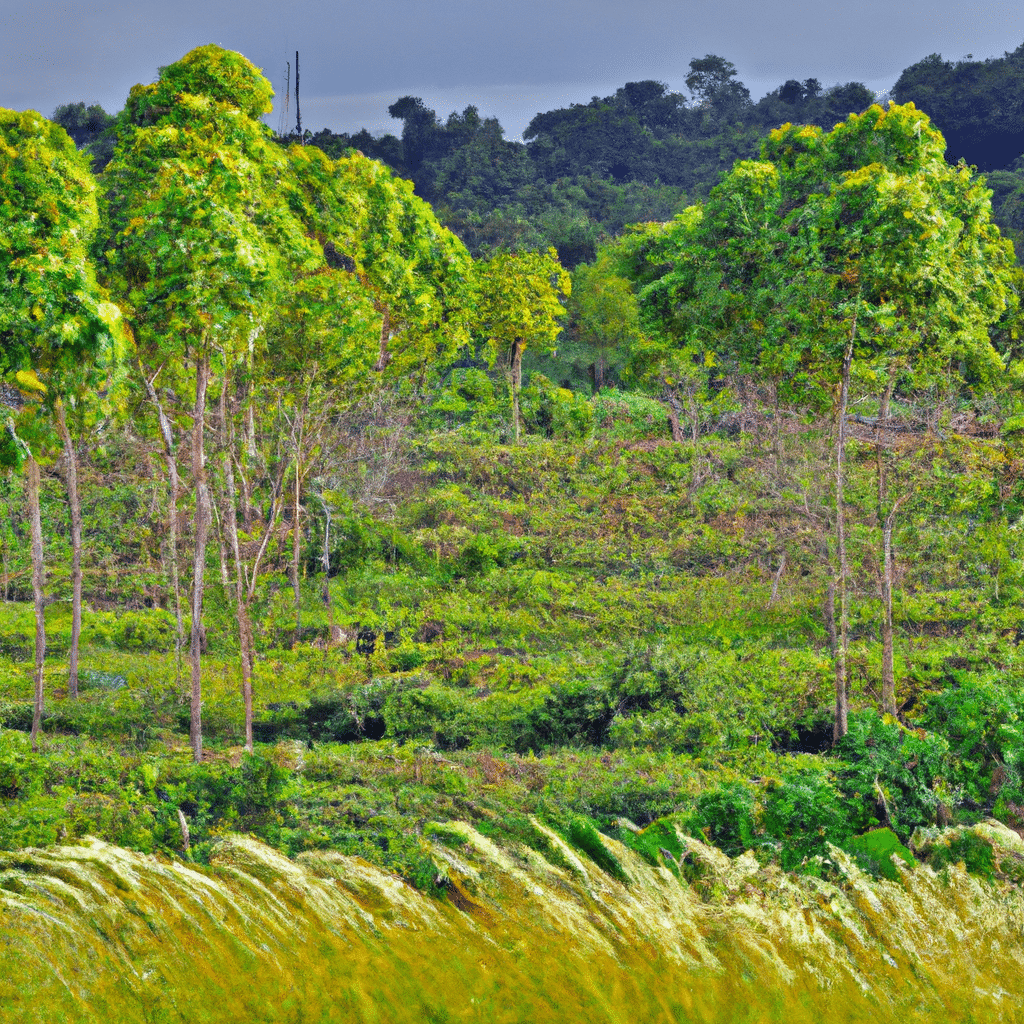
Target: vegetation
<point x="442" y="570"/>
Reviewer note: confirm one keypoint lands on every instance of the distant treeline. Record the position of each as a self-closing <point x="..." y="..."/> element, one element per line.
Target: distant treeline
<point x="587" y="170"/>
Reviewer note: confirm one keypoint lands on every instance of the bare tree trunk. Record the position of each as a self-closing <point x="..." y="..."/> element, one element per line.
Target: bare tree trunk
<point x="222" y="553"/>
<point x="296" y="552"/>
<point x="777" y="580"/>
<point x="840" y="725"/>
<point x="885" y="519"/>
<point x="37" y="594"/>
<point x="167" y="435"/>
<point x="75" y="505"/>
<point x="300" y="440"/>
<point x="202" y="529"/>
<point x="326" y="561"/>
<point x="384" y="356"/>
<point x="245" y="644"/>
<point x="671" y="403"/>
<point x="516" y="364"/>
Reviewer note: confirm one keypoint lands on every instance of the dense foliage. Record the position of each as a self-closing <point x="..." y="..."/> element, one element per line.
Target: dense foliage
<point x="441" y="570"/>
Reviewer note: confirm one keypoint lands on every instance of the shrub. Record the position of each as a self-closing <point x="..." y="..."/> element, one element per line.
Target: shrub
<point x="980" y="719"/>
<point x="873" y="851"/>
<point x="965" y="846"/>
<point x="725" y="818"/>
<point x="803" y="813"/>
<point x="884" y="760"/>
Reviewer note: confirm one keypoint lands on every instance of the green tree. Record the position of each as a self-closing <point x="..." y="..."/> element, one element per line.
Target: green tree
<point x="520" y="306"/>
<point x="834" y="256"/>
<point x="603" y="316"/>
<point x="200" y="235"/>
<point x="55" y="321"/>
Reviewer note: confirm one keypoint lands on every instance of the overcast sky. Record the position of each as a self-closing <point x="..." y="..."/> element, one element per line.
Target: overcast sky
<point x="511" y="59"/>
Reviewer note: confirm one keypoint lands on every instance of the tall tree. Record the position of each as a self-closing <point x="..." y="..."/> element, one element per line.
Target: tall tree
<point x="387" y="255"/>
<point x="833" y="252"/>
<point x="200" y="234"/>
<point x="55" y="321"/>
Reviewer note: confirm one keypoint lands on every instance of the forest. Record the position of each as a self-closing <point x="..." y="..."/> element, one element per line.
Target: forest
<point x="659" y="475"/>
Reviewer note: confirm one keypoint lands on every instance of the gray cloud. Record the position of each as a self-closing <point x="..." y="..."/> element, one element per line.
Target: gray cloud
<point x="510" y="59"/>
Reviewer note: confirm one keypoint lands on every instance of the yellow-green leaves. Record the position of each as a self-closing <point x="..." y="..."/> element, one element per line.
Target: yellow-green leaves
<point x="521" y="300"/>
<point x="867" y="218"/>
<point x="55" y="321"/>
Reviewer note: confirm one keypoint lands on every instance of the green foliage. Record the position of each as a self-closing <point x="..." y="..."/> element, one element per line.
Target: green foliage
<point x="980" y="718"/>
<point x="892" y="772"/>
<point x="874" y="851"/>
<point x="653" y="842"/>
<point x="725" y="817"/>
<point x="959" y="846"/>
<point x="580" y="831"/>
<point x="804" y="812"/>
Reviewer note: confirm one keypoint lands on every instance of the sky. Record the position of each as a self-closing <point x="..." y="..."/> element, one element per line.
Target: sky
<point x="510" y="59"/>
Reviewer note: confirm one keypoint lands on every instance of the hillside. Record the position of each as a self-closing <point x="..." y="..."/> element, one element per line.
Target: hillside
<point x="679" y="591"/>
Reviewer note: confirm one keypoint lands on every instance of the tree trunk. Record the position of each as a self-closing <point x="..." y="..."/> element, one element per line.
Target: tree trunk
<point x="296" y="552"/>
<point x="839" y="728"/>
<point x="167" y="435"/>
<point x="37" y="594"/>
<point x="75" y="505"/>
<point x="516" y="364"/>
<point x="326" y="561"/>
<point x="202" y="529"/>
<point x="885" y="519"/>
<point x="245" y="644"/>
<point x="671" y="403"/>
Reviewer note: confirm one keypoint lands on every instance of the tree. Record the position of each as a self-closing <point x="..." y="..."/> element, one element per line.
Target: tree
<point x="91" y="129"/>
<point x="977" y="105"/>
<point x="520" y="305"/>
<point x="200" y="234"/>
<point x="602" y="314"/>
<point x="836" y="254"/>
<point x="55" y="321"/>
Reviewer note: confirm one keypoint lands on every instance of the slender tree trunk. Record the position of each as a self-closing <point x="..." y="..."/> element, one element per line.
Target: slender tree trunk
<point x="885" y="519"/>
<point x="75" y="505"/>
<point x="296" y="551"/>
<point x="516" y="363"/>
<point x="167" y="436"/>
<point x="245" y="644"/>
<point x="384" y="355"/>
<point x="326" y="561"/>
<point x="37" y="593"/>
<point x="300" y="441"/>
<point x="840" y="726"/>
<point x="222" y="552"/>
<point x="671" y="403"/>
<point x="202" y="529"/>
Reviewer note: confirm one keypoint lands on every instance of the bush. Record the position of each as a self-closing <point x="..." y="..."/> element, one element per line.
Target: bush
<point x="873" y="851"/>
<point x="725" y="818"/>
<point x="803" y="813"/>
<point x="965" y="846"/>
<point x="981" y="720"/>
<point x="884" y="760"/>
